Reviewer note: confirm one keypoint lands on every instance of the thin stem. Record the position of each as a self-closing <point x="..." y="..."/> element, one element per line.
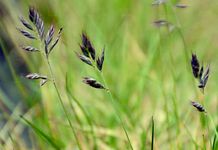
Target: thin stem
<point x="116" y="109"/>
<point x="208" y="129"/>
<point x="90" y="122"/>
<point x="62" y="103"/>
<point x="180" y="32"/>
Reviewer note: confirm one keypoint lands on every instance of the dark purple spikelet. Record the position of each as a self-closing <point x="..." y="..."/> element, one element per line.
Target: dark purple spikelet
<point x="49" y="35"/>
<point x="86" y="43"/>
<point x="93" y="83"/>
<point x="204" y="78"/>
<point x="195" y="65"/>
<point x="92" y="52"/>
<point x="84" y="51"/>
<point x="25" y="23"/>
<point x="37" y="21"/>
<point x="49" y="38"/>
<point x="201" y="72"/>
<point x="32" y="14"/>
<point x="85" y="40"/>
<point x="56" y="40"/>
<point x="198" y="106"/>
<point x="100" y="60"/>
<point x="84" y="59"/>
<point x="26" y="34"/>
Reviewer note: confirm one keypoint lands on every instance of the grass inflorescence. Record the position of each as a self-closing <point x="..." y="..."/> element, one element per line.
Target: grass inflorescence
<point x="134" y="62"/>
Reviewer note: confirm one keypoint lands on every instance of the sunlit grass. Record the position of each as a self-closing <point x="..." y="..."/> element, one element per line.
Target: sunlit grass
<point x="146" y="68"/>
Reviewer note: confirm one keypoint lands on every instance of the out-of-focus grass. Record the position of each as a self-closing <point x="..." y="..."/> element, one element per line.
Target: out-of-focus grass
<point x="147" y="70"/>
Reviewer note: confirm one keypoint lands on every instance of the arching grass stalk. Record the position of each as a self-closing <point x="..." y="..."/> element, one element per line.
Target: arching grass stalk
<point x="61" y="102"/>
<point x="178" y="27"/>
<point x="36" y="31"/>
<point x="117" y="112"/>
<point x="85" y="113"/>
<point x="88" y="56"/>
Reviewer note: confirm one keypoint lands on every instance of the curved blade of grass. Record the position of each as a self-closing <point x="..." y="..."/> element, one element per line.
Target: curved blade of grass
<point x="71" y="96"/>
<point x="214" y="145"/>
<point x="116" y="110"/>
<point x="61" y="101"/>
<point x="50" y="140"/>
<point x="152" y="135"/>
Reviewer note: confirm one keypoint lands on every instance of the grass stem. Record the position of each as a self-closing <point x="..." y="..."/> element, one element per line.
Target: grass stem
<point x="117" y="113"/>
<point x="62" y="103"/>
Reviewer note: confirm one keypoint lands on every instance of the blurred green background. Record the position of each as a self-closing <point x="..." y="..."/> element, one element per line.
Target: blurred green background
<point x="147" y="70"/>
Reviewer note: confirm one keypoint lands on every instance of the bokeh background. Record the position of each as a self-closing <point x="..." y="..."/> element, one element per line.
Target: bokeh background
<point x="147" y="69"/>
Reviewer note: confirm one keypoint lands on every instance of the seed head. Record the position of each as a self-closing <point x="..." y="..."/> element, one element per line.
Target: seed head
<point x="100" y="60"/>
<point x="37" y="21"/>
<point x="26" y="34"/>
<point x="85" y="59"/>
<point x="198" y="106"/>
<point x="25" y="23"/>
<point x="195" y="65"/>
<point x="34" y="76"/>
<point x="86" y="44"/>
<point x="181" y="5"/>
<point x="204" y="78"/>
<point x="30" y="49"/>
<point x="93" y="83"/>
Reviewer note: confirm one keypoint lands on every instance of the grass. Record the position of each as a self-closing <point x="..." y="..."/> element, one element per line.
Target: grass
<point x="146" y="69"/>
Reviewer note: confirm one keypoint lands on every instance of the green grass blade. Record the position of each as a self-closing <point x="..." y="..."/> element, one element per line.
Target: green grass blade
<point x="214" y="145"/>
<point x="152" y="136"/>
<point x="85" y="113"/>
<point x="49" y="139"/>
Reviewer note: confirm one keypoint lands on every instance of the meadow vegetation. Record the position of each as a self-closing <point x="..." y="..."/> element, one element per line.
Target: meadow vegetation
<point x="116" y="74"/>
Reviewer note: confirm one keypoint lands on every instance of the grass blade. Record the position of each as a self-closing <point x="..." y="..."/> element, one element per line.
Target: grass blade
<point x="49" y="139"/>
<point x="214" y="145"/>
<point x="86" y="114"/>
<point x="152" y="136"/>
